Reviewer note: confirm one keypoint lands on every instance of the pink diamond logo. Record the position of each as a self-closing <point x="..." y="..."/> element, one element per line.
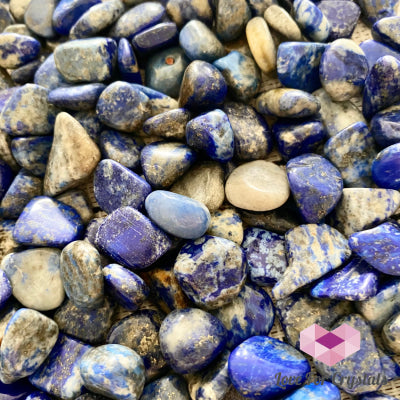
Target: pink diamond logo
<point x="330" y="347"/>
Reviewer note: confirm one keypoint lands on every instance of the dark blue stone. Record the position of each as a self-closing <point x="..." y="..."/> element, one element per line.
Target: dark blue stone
<point x="182" y="11"/>
<point x="116" y="186"/>
<point x="374" y="10"/>
<point x="231" y="21"/>
<point x="47" y="75"/>
<point x="374" y="50"/>
<point x="390" y="367"/>
<point x="156" y="37"/>
<point x="91" y="122"/>
<point x="385" y="30"/>
<point x="385" y="127"/>
<point x="376" y="396"/>
<point x="165" y="388"/>
<point x="131" y="239"/>
<point x="81" y="97"/>
<point x="256" y="364"/>
<point x="298" y="65"/>
<point x="6" y="177"/>
<point x="315" y="184"/>
<point x="385" y="171"/>
<point x="16" y="391"/>
<point x="5" y="290"/>
<point x="38" y="17"/>
<point x="25" y="73"/>
<point x="312" y="391"/>
<point x="127" y="62"/>
<point x="191" y="339"/>
<point x="48" y="222"/>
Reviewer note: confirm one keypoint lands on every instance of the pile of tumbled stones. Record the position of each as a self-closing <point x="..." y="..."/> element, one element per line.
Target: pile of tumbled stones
<point x="207" y="193"/>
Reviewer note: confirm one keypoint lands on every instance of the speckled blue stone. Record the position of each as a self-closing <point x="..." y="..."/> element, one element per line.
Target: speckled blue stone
<point x="366" y="360"/>
<point x="315" y="184"/>
<point x="381" y="86"/>
<point x="91" y="122"/>
<point x="6" y="178"/>
<point x="357" y="281"/>
<point x="17" y="50"/>
<point x="390" y="367"/>
<point x="127" y="63"/>
<point x="68" y="12"/>
<point x="92" y="228"/>
<point x="374" y="10"/>
<point x="325" y="390"/>
<point x="127" y="288"/>
<point x="16" y="391"/>
<point x="298" y="65"/>
<point x="386" y="31"/>
<point x="81" y="97"/>
<point x="123" y="107"/>
<point x="385" y="171"/>
<point x="374" y="50"/>
<point x="342" y="15"/>
<point x="182" y="11"/>
<point x="191" y="339"/>
<point x="116" y="186"/>
<point x="5" y="289"/>
<point x="22" y="190"/>
<point x="156" y="37"/>
<point x="385" y="127"/>
<point x="38" y="17"/>
<point x="47" y="222"/>
<point x="59" y="374"/>
<point x="131" y="239"/>
<point x="265" y="255"/>
<point x="254" y="364"/>
<point x="296" y="138"/>
<point x="47" y="75"/>
<point x="38" y="396"/>
<point x="165" y="388"/>
<point x="241" y="75"/>
<point x="203" y="87"/>
<point x="25" y="73"/>
<point x="120" y="147"/>
<point x="376" y="396"/>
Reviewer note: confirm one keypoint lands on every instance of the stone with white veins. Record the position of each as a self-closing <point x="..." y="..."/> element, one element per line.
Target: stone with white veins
<point x="73" y="156"/>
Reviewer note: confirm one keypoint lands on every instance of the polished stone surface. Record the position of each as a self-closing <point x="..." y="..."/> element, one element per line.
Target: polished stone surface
<point x="384" y="168"/>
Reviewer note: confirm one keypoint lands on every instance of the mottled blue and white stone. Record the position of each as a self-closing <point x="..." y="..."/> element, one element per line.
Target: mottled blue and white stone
<point x="59" y="375"/>
<point x="375" y="10"/>
<point x="352" y="151"/>
<point x="312" y="251"/>
<point x="28" y="340"/>
<point x="391" y="334"/>
<point x="131" y="239"/>
<point x="312" y="391"/>
<point x="47" y="75"/>
<point x="211" y="287"/>
<point x="376" y="396"/>
<point x="381" y="86"/>
<point x="343" y="69"/>
<point x="364" y="361"/>
<point x="26" y="268"/>
<point x="386" y="30"/>
<point x="17" y="50"/>
<point x="385" y="172"/>
<point x="47" y="222"/>
<point x="5" y="288"/>
<point x="227" y="224"/>
<point x="315" y="184"/>
<point x="385" y="126"/>
<point x="164" y="162"/>
<point x="127" y="63"/>
<point x="390" y="367"/>
<point x="91" y="122"/>
<point x="86" y="60"/>
<point x="265" y="255"/>
<point x="374" y="50"/>
<point x="168" y="387"/>
<point x="254" y="365"/>
<point x="116" y="186"/>
<point x="77" y="200"/>
<point x="191" y="339"/>
<point x="357" y="281"/>
<point x="96" y="18"/>
<point x="298" y="65"/>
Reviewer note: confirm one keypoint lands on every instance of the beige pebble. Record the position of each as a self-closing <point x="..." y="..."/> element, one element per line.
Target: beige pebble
<point x="280" y="20"/>
<point x="227" y="224"/>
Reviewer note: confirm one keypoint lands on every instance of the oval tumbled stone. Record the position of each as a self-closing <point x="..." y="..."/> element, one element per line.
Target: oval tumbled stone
<point x="17" y="50"/>
<point x="257" y="186"/>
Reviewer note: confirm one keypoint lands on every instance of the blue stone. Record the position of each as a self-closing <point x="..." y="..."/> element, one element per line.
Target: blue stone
<point x="116" y="186"/>
<point x="92" y="228"/>
<point x="203" y="87"/>
<point x="312" y="391"/>
<point x="385" y="127"/>
<point x="252" y="137"/>
<point x="342" y="15"/>
<point x="16" y="391"/>
<point x="265" y="255"/>
<point x="352" y="152"/>
<point x="182" y="11"/>
<point x="191" y="339"/>
<point x="17" y="50"/>
<point x="91" y="122"/>
<point x="164" y="162"/>
<point x="315" y="184"/>
<point x="22" y="190"/>
<point x="241" y="75"/>
<point x="47" y="75"/>
<point x="258" y="361"/>
<point x="231" y="21"/>
<point x="376" y="396"/>
<point x="211" y="287"/>
<point x="366" y="359"/>
<point x="295" y="138"/>
<point x="38" y="396"/>
<point x="47" y="222"/>
<point x="86" y="60"/>
<point x="123" y="107"/>
<point x="5" y="288"/>
<point x="178" y="215"/>
<point x="374" y="50"/>
<point x="80" y="97"/>
<point x="6" y="177"/>
<point x="136" y="331"/>
<point x="374" y="10"/>
<point x="298" y="65"/>
<point x="165" y="69"/>
<point x="211" y="133"/>
<point x="131" y="239"/>
<point x="120" y="147"/>
<point x="38" y="17"/>
<point x="391" y="333"/>
<point x="381" y="86"/>
<point x="168" y="387"/>
<point x="25" y="73"/>
<point x="68" y="12"/>
<point x="96" y="19"/>
<point x="390" y="367"/>
<point x="126" y="287"/>
<point x="357" y="281"/>
<point x="137" y="19"/>
<point x="127" y="63"/>
<point x="385" y="172"/>
<point x="90" y="326"/>
<point x="385" y="31"/>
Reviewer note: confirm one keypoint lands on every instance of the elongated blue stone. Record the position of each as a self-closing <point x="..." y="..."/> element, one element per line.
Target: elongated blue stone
<point x="156" y="37"/>
<point x="385" y="172"/>
<point x="17" y="50"/>
<point x="312" y="391"/>
<point x="385" y="127"/>
<point x="127" y="62"/>
<point x="168" y="387"/>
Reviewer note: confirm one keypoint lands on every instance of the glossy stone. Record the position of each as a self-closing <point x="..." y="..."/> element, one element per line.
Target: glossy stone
<point x="182" y="11"/>
<point x="168" y="387"/>
<point x="312" y="391"/>
<point x="391" y="334"/>
<point x="386" y="31"/>
<point x="385" y="126"/>
<point x="384" y="168"/>
<point x="329" y="250"/>
<point x="191" y="339"/>
<point x="127" y="62"/>
<point x="91" y="122"/>
<point x="77" y="200"/>
<point x="390" y="367"/>
<point x="156" y="37"/>
<point x="281" y="21"/>
<point x="16" y="50"/>
<point x="5" y="288"/>
<point x="38" y="17"/>
<point x="47" y="75"/>
<point x="374" y="50"/>
<point x="16" y="391"/>
<point x="38" y="396"/>
<point x="131" y="239"/>
<point x="226" y="224"/>
<point x="315" y="184"/>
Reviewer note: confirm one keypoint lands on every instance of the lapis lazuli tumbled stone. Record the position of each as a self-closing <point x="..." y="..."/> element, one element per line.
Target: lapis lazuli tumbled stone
<point x="315" y="391"/>
<point x="231" y="21"/>
<point x="374" y="50"/>
<point x="374" y="10"/>
<point x="156" y="37"/>
<point x="25" y="73"/>
<point x="127" y="62"/>
<point x="386" y="30"/>
<point x="47" y="75"/>
<point x="376" y="396"/>
<point x="385" y="126"/>
<point x="227" y="224"/>
<point x="169" y="386"/>
<point x="384" y="168"/>
<point x="6" y="178"/>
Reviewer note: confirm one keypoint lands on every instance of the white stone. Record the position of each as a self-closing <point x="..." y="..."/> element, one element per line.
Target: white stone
<point x="280" y="20"/>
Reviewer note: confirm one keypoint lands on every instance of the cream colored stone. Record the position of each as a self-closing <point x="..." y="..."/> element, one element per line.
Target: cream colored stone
<point x="280" y="20"/>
